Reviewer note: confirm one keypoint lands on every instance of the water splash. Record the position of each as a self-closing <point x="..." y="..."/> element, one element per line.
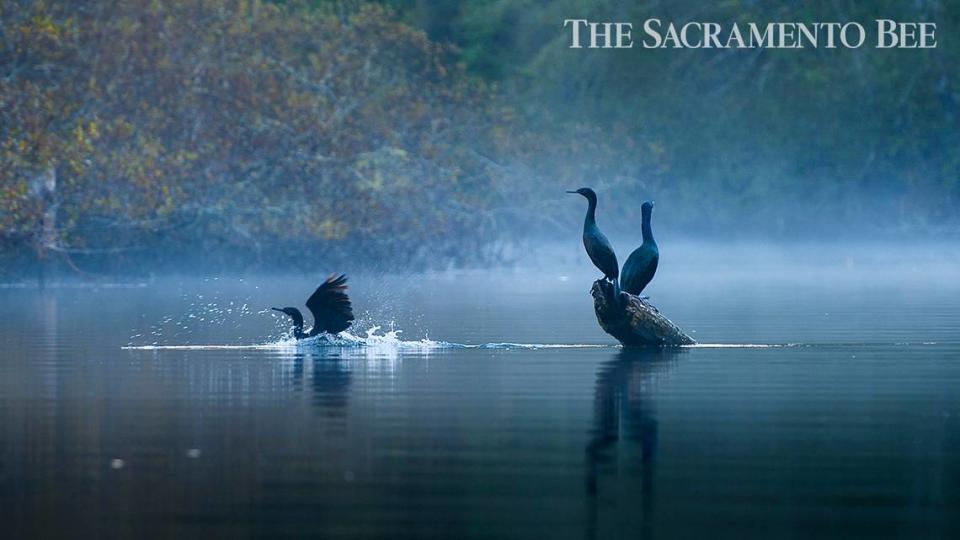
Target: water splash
<point x="374" y="343"/>
<point x="389" y="340"/>
<point x="202" y="312"/>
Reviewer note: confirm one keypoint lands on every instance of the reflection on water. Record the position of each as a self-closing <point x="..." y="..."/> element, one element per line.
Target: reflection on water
<point x="624" y="408"/>
<point x="854" y="434"/>
<point x="328" y="381"/>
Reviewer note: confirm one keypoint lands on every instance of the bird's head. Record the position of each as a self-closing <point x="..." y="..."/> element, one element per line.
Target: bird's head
<point x="647" y="207"/>
<point x="586" y="192"/>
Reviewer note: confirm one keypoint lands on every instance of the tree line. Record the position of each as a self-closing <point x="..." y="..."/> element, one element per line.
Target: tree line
<point x="235" y="134"/>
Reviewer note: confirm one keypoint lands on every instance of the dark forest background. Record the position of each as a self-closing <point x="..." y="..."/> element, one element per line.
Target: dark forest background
<point x="143" y="136"/>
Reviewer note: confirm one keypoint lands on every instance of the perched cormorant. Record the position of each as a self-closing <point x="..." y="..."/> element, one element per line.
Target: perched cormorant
<point x="598" y="247"/>
<point x="330" y="306"/>
<point x="641" y="265"/>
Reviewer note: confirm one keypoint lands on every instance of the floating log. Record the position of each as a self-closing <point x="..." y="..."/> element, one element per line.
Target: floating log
<point x="633" y="321"/>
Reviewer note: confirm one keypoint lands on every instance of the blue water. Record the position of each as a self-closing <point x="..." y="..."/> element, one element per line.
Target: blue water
<point x="499" y="410"/>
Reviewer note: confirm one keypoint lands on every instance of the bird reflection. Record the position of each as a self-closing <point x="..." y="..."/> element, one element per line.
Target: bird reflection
<point x="329" y="382"/>
<point x="624" y="408"/>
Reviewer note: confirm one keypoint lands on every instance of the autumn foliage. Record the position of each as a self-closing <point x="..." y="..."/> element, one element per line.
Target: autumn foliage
<point x="236" y="133"/>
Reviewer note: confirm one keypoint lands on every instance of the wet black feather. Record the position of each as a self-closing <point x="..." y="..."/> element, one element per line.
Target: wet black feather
<point x="330" y="306"/>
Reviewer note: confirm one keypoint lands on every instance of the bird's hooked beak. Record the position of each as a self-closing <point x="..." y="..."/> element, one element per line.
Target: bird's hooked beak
<point x="574" y="191"/>
<point x="278" y="309"/>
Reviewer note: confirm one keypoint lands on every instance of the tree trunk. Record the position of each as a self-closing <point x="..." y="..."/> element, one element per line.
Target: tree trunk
<point x="634" y="322"/>
<point x="47" y="240"/>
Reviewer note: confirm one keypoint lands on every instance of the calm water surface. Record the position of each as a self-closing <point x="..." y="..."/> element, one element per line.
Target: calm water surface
<point x="853" y="430"/>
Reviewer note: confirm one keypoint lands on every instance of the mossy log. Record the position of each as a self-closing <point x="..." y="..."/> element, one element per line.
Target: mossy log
<point x="633" y="321"/>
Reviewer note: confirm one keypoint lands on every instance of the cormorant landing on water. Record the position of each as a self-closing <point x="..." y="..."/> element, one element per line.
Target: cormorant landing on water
<point x="641" y="265"/>
<point x="598" y="247"/>
<point x="330" y="305"/>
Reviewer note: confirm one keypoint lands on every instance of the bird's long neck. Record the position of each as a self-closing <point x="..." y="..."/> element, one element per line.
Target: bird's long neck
<point x="647" y="229"/>
<point x="591" y="211"/>
<point x="298" y="325"/>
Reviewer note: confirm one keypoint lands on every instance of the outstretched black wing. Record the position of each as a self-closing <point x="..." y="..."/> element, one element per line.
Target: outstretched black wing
<point x="330" y="306"/>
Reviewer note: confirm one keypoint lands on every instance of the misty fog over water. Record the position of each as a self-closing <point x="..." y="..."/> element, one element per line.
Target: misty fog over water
<point x="822" y="398"/>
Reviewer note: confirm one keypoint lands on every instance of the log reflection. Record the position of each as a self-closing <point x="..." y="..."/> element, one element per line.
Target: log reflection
<point x="624" y="408"/>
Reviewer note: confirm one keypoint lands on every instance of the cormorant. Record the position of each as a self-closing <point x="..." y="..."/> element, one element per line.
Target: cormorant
<point x="641" y="265"/>
<point x="598" y="247"/>
<point x="330" y="305"/>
